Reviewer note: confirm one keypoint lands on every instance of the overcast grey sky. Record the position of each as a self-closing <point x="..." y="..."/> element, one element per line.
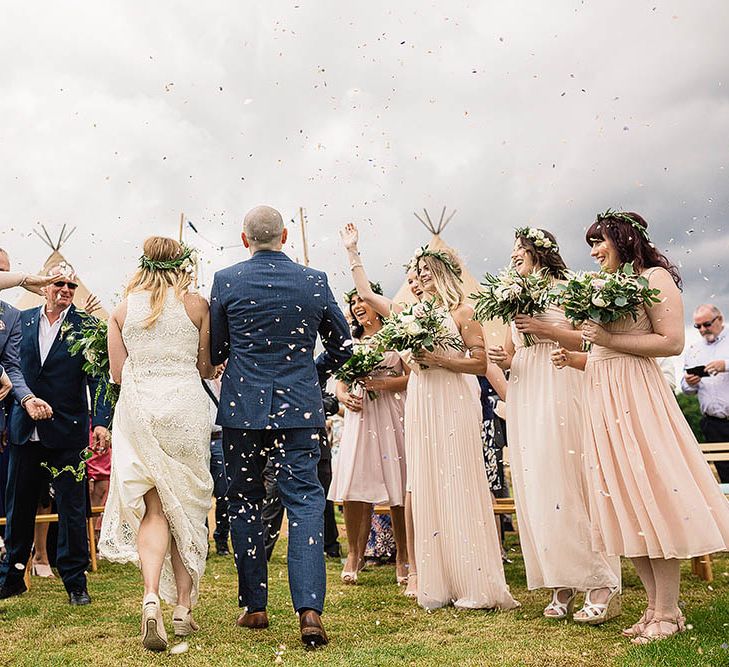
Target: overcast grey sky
<point x="117" y="116"/>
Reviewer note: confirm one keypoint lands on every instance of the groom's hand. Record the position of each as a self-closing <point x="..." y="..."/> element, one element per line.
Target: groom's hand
<point x="102" y="440"/>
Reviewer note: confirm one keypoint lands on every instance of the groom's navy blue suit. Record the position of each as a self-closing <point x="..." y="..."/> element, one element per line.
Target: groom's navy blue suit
<point x="266" y="314"/>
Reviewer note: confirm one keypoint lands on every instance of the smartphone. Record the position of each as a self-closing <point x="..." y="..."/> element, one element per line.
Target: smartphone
<point x="698" y="370"/>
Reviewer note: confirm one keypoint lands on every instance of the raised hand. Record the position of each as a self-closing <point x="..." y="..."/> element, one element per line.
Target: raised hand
<point x="349" y="235"/>
<point x="29" y="281"/>
<point x="91" y="304"/>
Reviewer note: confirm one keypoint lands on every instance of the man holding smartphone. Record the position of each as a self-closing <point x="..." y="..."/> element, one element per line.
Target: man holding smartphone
<point x="705" y="374"/>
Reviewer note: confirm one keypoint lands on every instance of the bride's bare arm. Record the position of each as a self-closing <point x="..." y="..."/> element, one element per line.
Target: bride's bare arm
<point x="381" y="304"/>
<point x="198" y="311"/>
<point x="117" y="350"/>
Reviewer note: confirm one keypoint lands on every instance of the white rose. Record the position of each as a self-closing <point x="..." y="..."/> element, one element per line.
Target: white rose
<point x="407" y="319"/>
<point x="90" y="357"/>
<point x="598" y="283"/>
<point x="514" y="290"/>
<point x="539" y="234"/>
<point x="413" y="329"/>
<point x="598" y="301"/>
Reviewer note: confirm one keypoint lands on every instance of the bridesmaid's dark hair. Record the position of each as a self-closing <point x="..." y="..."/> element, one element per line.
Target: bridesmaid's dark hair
<point x="548" y="259"/>
<point x="629" y="233"/>
<point x="354" y="325"/>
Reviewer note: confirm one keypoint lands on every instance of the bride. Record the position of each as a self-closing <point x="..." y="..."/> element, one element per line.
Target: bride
<point x="160" y="489"/>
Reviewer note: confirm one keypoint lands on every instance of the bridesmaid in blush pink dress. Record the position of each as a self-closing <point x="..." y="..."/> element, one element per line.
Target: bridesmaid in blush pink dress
<point x="456" y="542"/>
<point x="370" y="467"/>
<point x="653" y="496"/>
<point x="544" y="421"/>
<point x="384" y="306"/>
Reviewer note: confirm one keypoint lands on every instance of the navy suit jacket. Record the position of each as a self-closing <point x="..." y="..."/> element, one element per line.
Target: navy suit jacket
<point x="62" y="383"/>
<point x="10" y="338"/>
<point x="266" y="313"/>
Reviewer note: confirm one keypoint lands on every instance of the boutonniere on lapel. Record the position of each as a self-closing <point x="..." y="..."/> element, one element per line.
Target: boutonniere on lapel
<point x="67" y="332"/>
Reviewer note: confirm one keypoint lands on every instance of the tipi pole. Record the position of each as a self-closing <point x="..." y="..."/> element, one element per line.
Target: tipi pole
<point x="303" y="236"/>
<point x="182" y="224"/>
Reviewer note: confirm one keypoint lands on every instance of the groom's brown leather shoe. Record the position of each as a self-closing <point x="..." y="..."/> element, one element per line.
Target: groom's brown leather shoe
<point x="256" y="620"/>
<point x="312" y="630"/>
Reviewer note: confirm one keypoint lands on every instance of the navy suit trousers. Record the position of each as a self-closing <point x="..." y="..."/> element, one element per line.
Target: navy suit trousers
<point x="295" y="454"/>
<point x="26" y="477"/>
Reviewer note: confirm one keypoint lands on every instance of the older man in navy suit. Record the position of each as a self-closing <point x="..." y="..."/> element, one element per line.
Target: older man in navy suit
<point x="49" y="424"/>
<point x="266" y="314"/>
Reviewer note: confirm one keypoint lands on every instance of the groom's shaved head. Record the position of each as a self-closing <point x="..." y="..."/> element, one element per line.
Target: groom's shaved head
<point x="263" y="228"/>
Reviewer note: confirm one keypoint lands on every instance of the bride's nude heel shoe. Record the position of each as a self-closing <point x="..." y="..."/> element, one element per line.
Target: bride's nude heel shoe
<point x="183" y="622"/>
<point x="154" y="635"/>
<point x="349" y="577"/>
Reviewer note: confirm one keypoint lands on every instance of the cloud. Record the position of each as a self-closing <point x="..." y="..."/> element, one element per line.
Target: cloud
<point x="116" y="117"/>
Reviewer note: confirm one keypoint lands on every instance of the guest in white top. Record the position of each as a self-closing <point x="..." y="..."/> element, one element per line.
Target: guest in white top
<point x="706" y="365"/>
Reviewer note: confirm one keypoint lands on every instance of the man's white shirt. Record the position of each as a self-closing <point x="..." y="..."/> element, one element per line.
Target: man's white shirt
<point x="713" y="391"/>
<point x="47" y="333"/>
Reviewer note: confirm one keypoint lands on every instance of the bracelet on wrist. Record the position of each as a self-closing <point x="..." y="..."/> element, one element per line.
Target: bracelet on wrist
<point x="23" y="280"/>
<point x="352" y="267"/>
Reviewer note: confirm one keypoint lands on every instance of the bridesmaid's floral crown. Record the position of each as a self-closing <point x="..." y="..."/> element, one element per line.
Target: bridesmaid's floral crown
<point x="425" y="251"/>
<point x="376" y="288"/>
<point x="185" y="262"/>
<point x="537" y="237"/>
<point x="623" y="216"/>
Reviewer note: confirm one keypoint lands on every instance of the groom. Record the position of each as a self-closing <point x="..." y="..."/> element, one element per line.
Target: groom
<point x="266" y="314"/>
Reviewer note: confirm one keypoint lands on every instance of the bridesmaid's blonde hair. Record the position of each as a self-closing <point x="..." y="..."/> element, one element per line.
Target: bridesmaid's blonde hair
<point x="446" y="277"/>
<point x="161" y="266"/>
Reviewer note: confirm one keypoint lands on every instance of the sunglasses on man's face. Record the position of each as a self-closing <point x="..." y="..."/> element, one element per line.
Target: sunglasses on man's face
<point x="62" y="283"/>
<point x="705" y="325"/>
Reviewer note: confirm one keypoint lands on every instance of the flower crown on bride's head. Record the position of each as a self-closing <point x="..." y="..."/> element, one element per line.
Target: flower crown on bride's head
<point x="185" y="262"/>
<point x="425" y="251"/>
<point x="624" y="216"/>
<point x="537" y="237"/>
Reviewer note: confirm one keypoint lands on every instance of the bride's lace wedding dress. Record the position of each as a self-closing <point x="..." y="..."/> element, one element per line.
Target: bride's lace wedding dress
<point x="161" y="439"/>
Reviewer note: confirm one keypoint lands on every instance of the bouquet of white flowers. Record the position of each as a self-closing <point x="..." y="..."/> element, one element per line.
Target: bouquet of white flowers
<point x="604" y="297"/>
<point x="418" y="327"/>
<point x="363" y="361"/>
<point x="509" y="294"/>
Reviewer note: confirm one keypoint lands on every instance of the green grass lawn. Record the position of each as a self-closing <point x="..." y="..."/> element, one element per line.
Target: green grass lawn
<point x="368" y="624"/>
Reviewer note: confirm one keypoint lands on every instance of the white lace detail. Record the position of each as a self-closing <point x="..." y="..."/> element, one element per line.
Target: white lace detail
<point x="160" y="439"/>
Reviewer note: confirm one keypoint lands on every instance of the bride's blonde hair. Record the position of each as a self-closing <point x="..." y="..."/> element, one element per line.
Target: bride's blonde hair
<point x="446" y="276"/>
<point x="161" y="266"/>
